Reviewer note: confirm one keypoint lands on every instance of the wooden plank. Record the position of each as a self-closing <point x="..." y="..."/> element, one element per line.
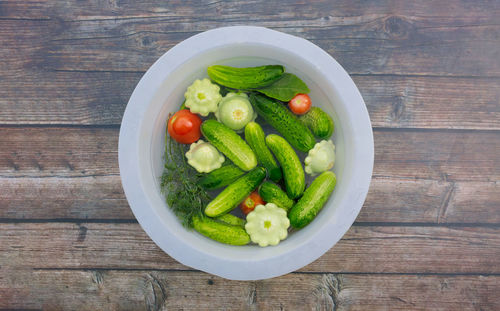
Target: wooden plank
<point x="460" y="42"/>
<point x="430" y="201"/>
<point x="99" y="98"/>
<point x="468" y="202"/>
<point x="449" y="156"/>
<point x="286" y="9"/>
<point x="162" y="290"/>
<point x="43" y="152"/>
<point x="79" y="98"/>
<point x="431" y="102"/>
<point x="92" y="197"/>
<point x="370" y="249"/>
<point x="389" y="200"/>
<point x="419" y="176"/>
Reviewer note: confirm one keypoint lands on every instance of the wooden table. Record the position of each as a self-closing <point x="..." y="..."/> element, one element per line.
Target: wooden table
<point x="428" y="236"/>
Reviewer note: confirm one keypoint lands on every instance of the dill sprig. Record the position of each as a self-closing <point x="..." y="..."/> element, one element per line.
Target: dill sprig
<point x="179" y="184"/>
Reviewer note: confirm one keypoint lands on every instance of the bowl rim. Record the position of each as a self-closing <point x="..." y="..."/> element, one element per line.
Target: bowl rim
<point x="130" y="173"/>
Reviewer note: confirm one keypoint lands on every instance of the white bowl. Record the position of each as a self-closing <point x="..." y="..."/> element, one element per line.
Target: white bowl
<point x="161" y="90"/>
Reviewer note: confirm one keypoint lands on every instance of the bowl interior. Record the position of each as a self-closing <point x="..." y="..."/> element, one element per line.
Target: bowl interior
<point x="169" y="97"/>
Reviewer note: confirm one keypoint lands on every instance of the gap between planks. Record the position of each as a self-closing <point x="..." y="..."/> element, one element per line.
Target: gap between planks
<point x="355" y="224"/>
<point x="293" y="272"/>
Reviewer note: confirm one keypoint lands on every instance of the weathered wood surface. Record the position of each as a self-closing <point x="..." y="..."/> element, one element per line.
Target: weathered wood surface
<point x="418" y="176"/>
<point x="75" y="152"/>
<point x="99" y="98"/>
<point x="367" y="38"/>
<point x="167" y="290"/>
<point x="428" y="236"/>
<point x="389" y="200"/>
<point x="366" y="249"/>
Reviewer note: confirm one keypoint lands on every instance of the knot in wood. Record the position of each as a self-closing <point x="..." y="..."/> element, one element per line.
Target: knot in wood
<point x="397" y="27"/>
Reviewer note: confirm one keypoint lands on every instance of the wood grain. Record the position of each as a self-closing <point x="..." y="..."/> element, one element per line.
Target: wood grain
<point x="69" y="152"/>
<point x="91" y="197"/>
<point x="434" y="177"/>
<point x="449" y="156"/>
<point x="99" y="98"/>
<point x="388" y="40"/>
<point x="431" y="102"/>
<point x="429" y="73"/>
<point x="370" y="249"/>
<point x="389" y="200"/>
<point x="290" y="9"/>
<point x="161" y="290"/>
<point x="46" y="152"/>
<point x="430" y="201"/>
<point x="78" y="98"/>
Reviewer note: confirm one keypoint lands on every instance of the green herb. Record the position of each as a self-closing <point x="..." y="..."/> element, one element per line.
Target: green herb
<point x="179" y="184"/>
<point x="285" y="88"/>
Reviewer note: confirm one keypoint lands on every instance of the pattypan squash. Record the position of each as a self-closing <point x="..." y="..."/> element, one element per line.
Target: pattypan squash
<point x="202" y="97"/>
<point x="235" y="111"/>
<point x="267" y="224"/>
<point x="320" y="158"/>
<point x="204" y="157"/>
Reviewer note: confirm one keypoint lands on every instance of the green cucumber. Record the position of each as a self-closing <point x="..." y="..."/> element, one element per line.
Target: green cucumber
<point x="220" y="177"/>
<point x="284" y="121"/>
<point x="235" y="193"/>
<point x="293" y="172"/>
<point x="319" y="122"/>
<point x="230" y="144"/>
<point x="220" y="231"/>
<point x="255" y="137"/>
<point x="272" y="193"/>
<point x="231" y="220"/>
<point x="245" y="78"/>
<point x="313" y="200"/>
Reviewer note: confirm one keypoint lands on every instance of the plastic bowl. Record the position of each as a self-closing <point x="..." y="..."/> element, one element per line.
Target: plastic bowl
<point x="161" y="90"/>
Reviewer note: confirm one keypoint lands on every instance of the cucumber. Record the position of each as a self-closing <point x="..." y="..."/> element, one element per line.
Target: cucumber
<point x="230" y="144"/>
<point x="220" y="231"/>
<point x="231" y="220"/>
<point x="319" y="122"/>
<point x="245" y="78"/>
<point x="313" y="200"/>
<point x="255" y="137"/>
<point x="236" y="192"/>
<point x="220" y="177"/>
<point x="293" y="171"/>
<point x="284" y="121"/>
<point x="272" y="193"/>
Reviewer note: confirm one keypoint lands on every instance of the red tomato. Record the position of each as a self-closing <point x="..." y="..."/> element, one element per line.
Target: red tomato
<point x="251" y="202"/>
<point x="184" y="127"/>
<point x="300" y="104"/>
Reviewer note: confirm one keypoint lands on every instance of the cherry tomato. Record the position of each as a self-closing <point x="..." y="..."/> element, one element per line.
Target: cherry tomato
<point x="251" y="202"/>
<point x="300" y="104"/>
<point x="184" y="127"/>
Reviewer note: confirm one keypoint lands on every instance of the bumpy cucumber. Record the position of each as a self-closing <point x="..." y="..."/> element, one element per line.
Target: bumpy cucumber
<point x="230" y="144"/>
<point x="313" y="200"/>
<point x="284" y="121"/>
<point x="293" y="171"/>
<point x="319" y="122"/>
<point x="236" y="192"/>
<point x="245" y="78"/>
<point x="221" y="231"/>
<point x="231" y="220"/>
<point x="272" y="193"/>
<point x="220" y="177"/>
<point x="255" y="137"/>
